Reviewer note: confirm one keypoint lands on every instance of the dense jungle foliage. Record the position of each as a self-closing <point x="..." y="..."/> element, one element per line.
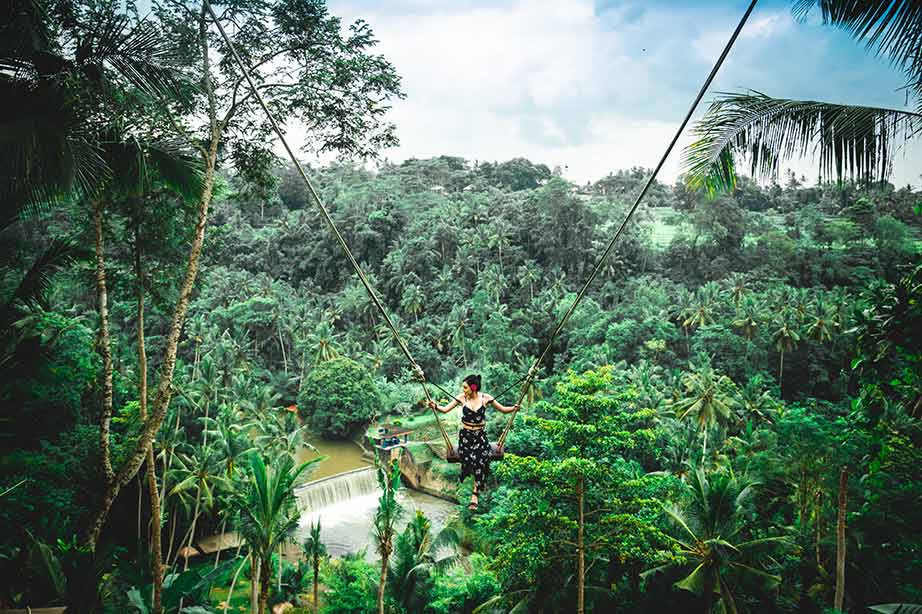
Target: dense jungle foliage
<point x="733" y="409"/>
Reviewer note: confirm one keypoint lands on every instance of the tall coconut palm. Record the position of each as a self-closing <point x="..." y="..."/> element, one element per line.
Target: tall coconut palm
<point x="821" y="322"/>
<point x="707" y="396"/>
<point x="786" y="337"/>
<point x="385" y="522"/>
<point x="198" y="471"/>
<point x="267" y="514"/>
<point x="316" y="552"/>
<point x="711" y="532"/>
<point x="229" y="440"/>
<point x="850" y="141"/>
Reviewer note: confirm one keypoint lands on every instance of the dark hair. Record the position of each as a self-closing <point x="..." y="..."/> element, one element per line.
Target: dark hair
<point x="473" y="381"/>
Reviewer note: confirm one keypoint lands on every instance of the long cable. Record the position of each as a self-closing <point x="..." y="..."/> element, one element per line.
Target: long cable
<point x="611" y="244"/>
<point x="329" y="221"/>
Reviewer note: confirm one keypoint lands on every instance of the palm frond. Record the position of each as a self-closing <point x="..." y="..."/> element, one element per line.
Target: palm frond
<point x="35" y="284"/>
<point x="140" y="54"/>
<point x="897" y="608"/>
<point x="849" y="141"/>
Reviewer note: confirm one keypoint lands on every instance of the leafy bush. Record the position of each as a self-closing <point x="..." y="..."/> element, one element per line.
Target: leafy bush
<point x="351" y="585"/>
<point x="459" y="591"/>
<point x="338" y="397"/>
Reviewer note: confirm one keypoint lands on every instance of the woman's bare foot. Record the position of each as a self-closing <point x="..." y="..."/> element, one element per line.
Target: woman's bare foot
<point x="473" y="504"/>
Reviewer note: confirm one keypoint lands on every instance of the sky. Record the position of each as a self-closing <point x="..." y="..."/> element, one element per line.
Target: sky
<point x="593" y="87"/>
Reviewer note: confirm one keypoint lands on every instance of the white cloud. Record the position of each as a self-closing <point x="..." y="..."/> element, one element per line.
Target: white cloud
<point x="565" y="83"/>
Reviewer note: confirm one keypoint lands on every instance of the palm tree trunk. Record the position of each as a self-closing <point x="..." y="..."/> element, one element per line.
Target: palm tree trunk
<point x="382" y="584"/>
<point x="169" y="548"/>
<point x="708" y="594"/>
<point x="165" y="385"/>
<point x="104" y="346"/>
<point x="316" y="582"/>
<point x="818" y="533"/>
<point x="230" y="591"/>
<point x="265" y="579"/>
<point x="195" y="515"/>
<point x="581" y="552"/>
<point x="156" y="546"/>
<point x="254" y="582"/>
<point x="282" y="347"/>
<point x="217" y="556"/>
<point x="727" y="597"/>
<point x="781" y="373"/>
<point x="156" y="535"/>
<point x="839" y="598"/>
<point x="704" y="448"/>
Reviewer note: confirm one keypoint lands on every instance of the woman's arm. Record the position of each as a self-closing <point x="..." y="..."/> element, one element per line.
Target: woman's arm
<point x="503" y="408"/>
<point x="447" y="408"/>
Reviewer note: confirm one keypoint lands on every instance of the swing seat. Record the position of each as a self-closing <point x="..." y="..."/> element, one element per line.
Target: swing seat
<point x="497" y="451"/>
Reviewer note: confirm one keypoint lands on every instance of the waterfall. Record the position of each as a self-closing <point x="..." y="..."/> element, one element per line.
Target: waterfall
<point x="327" y="492"/>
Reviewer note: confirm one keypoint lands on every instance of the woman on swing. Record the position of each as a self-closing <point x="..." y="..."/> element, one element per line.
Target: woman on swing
<point x="473" y="447"/>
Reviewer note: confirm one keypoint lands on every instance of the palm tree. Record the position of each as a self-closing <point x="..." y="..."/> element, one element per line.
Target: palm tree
<point x="229" y="440"/>
<point x="849" y="141"/>
<point x="198" y="471"/>
<point x="822" y="322"/>
<point x="786" y="338"/>
<point x="755" y="401"/>
<point x="315" y="552"/>
<point x="385" y="522"/>
<point x="709" y="397"/>
<point x="412" y="300"/>
<point x="267" y="514"/>
<point x="324" y="340"/>
<point x="749" y="316"/>
<point x="709" y="528"/>
<point x="701" y="310"/>
<point x="737" y="284"/>
<point x="459" y="317"/>
<point x="529" y="274"/>
<point x="417" y="554"/>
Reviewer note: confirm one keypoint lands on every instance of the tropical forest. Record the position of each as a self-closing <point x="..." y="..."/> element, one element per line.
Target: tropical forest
<point x="255" y="362"/>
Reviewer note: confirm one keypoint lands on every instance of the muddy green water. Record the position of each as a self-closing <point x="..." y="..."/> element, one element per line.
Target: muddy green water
<point x="342" y="456"/>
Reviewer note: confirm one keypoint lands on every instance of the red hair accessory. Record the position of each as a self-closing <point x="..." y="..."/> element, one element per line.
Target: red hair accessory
<point x="474" y="387"/>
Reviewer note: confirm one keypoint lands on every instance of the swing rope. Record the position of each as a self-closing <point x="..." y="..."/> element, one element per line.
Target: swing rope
<point x="329" y="220"/>
<point x="611" y="244"/>
<point x="532" y="372"/>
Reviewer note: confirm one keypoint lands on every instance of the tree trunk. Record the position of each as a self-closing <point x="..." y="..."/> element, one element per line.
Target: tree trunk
<point x="254" y="583"/>
<point x="840" y="540"/>
<point x="818" y="527"/>
<point x="727" y="597"/>
<point x="781" y="373"/>
<point x="195" y="515"/>
<point x="282" y="347"/>
<point x="156" y="546"/>
<point x="169" y="548"/>
<point x="105" y="348"/>
<point x="165" y="385"/>
<point x="217" y="557"/>
<point x="156" y="535"/>
<point x="230" y="591"/>
<point x="581" y="551"/>
<point x="382" y="583"/>
<point x="316" y="583"/>
<point x="708" y="595"/>
<point x="265" y="579"/>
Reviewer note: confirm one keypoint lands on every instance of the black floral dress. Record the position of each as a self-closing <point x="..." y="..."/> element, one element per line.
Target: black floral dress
<point x="473" y="447"/>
